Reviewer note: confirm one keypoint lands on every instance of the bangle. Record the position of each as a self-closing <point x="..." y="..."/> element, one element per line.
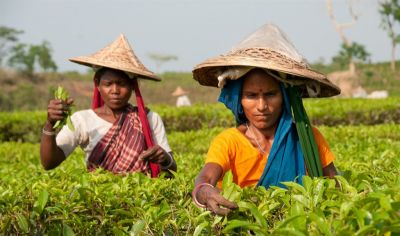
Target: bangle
<point x="171" y="161"/>
<point x="194" y="193"/>
<point x="48" y="133"/>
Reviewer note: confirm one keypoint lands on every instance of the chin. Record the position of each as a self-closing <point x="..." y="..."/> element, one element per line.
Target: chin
<point x="117" y="106"/>
<point x="263" y="125"/>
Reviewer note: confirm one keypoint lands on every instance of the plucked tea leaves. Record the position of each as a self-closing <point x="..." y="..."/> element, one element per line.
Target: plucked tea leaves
<point x="62" y="94"/>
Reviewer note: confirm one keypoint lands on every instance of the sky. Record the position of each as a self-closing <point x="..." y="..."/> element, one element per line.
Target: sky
<point x="192" y="30"/>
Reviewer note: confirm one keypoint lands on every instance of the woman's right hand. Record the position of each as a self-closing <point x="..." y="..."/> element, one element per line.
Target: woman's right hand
<point x="56" y="110"/>
<point x="214" y="201"/>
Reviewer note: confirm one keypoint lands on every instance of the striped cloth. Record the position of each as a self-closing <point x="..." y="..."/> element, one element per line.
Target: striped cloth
<point x="119" y="149"/>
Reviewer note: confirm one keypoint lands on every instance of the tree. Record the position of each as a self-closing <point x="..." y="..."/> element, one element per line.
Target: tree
<point x="44" y="58"/>
<point x="390" y="15"/>
<point x="162" y="58"/>
<point x="340" y="27"/>
<point x="356" y="52"/>
<point x="25" y="57"/>
<point x="21" y="59"/>
<point x="7" y="36"/>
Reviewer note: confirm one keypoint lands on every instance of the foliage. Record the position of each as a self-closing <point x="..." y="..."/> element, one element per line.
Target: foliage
<point x="371" y="77"/>
<point x="15" y="127"/>
<point x="390" y="15"/>
<point x="162" y="58"/>
<point x="355" y="52"/>
<point x="62" y="94"/>
<point x="26" y="57"/>
<point x="69" y="200"/>
<point x="7" y="36"/>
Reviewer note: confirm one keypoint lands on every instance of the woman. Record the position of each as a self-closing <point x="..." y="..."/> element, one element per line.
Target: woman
<point x="265" y="148"/>
<point x="114" y="134"/>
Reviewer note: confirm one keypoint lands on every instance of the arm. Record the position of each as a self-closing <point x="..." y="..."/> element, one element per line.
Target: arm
<point x="160" y="153"/>
<point x="210" y="196"/>
<point x="50" y="154"/>
<point x="326" y="155"/>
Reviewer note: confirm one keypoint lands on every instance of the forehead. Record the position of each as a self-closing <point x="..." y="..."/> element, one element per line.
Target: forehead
<point x="114" y="75"/>
<point x="259" y="80"/>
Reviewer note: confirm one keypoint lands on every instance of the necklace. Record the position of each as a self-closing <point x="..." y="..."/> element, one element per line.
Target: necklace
<point x="262" y="151"/>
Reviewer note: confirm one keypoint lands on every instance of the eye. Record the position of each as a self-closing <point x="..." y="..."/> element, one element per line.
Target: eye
<point x="250" y="95"/>
<point x="105" y="83"/>
<point x="123" y="83"/>
<point x="271" y="93"/>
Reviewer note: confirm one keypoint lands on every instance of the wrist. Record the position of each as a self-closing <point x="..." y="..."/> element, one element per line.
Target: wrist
<point x="196" y="190"/>
<point x="169" y="161"/>
<point x="48" y="126"/>
<point x="48" y="129"/>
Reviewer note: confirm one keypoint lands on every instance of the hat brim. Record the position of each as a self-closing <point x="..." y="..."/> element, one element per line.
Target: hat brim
<point x="92" y="62"/>
<point x="207" y="72"/>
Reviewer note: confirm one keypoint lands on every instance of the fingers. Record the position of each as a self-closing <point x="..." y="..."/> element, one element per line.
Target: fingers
<point x="215" y="202"/>
<point x="214" y="207"/>
<point x="155" y="154"/>
<point x="220" y="206"/>
<point x="70" y="101"/>
<point x="56" y="110"/>
<point x="148" y="154"/>
<point x="224" y="202"/>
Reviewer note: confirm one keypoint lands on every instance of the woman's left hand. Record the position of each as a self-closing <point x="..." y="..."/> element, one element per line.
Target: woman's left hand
<point x="157" y="154"/>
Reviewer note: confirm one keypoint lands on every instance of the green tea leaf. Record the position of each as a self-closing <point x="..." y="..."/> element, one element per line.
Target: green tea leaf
<point x="244" y="225"/>
<point x="62" y="94"/>
<point x="138" y="227"/>
<point x="70" y="124"/>
<point x="41" y="201"/>
<point x="199" y="228"/>
<point x="22" y="223"/>
<point x="67" y="230"/>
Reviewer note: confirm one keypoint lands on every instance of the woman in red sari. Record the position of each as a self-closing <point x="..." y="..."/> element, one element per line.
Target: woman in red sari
<point x="115" y="135"/>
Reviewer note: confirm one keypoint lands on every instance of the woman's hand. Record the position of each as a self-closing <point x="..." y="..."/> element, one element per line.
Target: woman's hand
<point x="157" y="154"/>
<point x="214" y="201"/>
<point x="208" y="195"/>
<point x="56" y="110"/>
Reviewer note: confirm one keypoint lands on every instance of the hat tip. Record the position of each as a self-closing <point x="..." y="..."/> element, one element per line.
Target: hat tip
<point x="122" y="36"/>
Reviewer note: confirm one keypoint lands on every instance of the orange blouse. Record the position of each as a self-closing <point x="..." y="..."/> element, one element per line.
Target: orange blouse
<point x="233" y="151"/>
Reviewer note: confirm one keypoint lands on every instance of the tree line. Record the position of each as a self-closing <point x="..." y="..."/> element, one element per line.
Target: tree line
<point x="28" y="58"/>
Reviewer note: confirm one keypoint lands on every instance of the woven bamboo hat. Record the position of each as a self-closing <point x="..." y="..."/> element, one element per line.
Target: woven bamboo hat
<point x="117" y="55"/>
<point x="270" y="49"/>
<point x="179" y="92"/>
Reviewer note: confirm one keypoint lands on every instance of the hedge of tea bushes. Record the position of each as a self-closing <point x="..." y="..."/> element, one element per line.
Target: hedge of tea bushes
<point x="68" y="200"/>
<point x="26" y="126"/>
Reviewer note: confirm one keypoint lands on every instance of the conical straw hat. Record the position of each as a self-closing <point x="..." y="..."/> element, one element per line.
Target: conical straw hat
<point x="117" y="55"/>
<point x="267" y="48"/>
<point x="179" y="92"/>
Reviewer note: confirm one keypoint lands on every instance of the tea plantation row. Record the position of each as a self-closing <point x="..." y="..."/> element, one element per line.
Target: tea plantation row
<point x="69" y="200"/>
<point x="26" y="126"/>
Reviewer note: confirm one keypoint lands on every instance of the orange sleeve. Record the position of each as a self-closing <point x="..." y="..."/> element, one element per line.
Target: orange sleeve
<point x="218" y="152"/>
<point x="325" y="154"/>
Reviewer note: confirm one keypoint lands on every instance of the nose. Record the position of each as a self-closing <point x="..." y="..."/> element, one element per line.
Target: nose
<point x="262" y="104"/>
<point x="114" y="88"/>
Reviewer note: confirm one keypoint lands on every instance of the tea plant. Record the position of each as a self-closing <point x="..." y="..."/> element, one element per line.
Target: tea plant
<point x="69" y="200"/>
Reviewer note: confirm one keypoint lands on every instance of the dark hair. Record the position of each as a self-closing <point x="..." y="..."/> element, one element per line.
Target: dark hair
<point x="99" y="73"/>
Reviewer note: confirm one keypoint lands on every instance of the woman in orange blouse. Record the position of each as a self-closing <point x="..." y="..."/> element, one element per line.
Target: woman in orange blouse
<point x="264" y="149"/>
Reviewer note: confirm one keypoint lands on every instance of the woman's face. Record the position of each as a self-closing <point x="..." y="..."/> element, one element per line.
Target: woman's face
<point x="261" y="100"/>
<point x="115" y="89"/>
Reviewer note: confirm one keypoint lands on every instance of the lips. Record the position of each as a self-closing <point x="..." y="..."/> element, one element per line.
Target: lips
<point x="115" y="100"/>
<point x="262" y="115"/>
